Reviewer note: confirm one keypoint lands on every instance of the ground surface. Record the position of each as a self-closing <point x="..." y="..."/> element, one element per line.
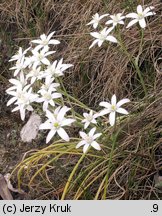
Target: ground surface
<point x="96" y="75"/>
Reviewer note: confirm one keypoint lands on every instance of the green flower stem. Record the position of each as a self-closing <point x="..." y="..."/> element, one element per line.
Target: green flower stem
<point x="114" y="137"/>
<point x="78" y="103"/>
<point x="132" y="60"/>
<point x="65" y="93"/>
<point x="140" y="76"/>
<point x="141" y="43"/>
<point x="71" y="176"/>
<point x="100" y="188"/>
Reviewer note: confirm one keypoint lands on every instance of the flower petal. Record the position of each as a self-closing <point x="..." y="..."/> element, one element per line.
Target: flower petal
<point x="36" y="41"/>
<point x="22" y="113"/>
<point x="100" y="42"/>
<point x="90" y="23"/>
<point x="150" y="14"/>
<point x="132" y="15"/>
<point x="83" y="135"/>
<point x="50" y="35"/>
<point x="66" y="122"/>
<point x="62" y="112"/>
<point x="105" y="104"/>
<point x="38" y="47"/>
<point x="139" y="9"/>
<point x="55" y="42"/>
<point x="95" y="25"/>
<point x="108" y="30"/>
<point x="86" y="125"/>
<point x="97" y="135"/>
<point x="112" y="118"/>
<point x="45" y="106"/>
<point x="95" y="145"/>
<point x="93" y="43"/>
<point x="104" y="112"/>
<point x="85" y="148"/>
<point x="123" y="101"/>
<point x="121" y="22"/>
<point x="122" y="111"/>
<point x="132" y="23"/>
<point x="56" y="95"/>
<point x="111" y="39"/>
<point x="52" y="103"/>
<point x="50" y="116"/>
<point x="109" y="22"/>
<point x="148" y="9"/>
<point x="62" y="133"/>
<point x="45" y="61"/>
<point x="142" y="23"/>
<point x="83" y="142"/>
<point x="45" y="126"/>
<point x="104" y="15"/>
<point x="43" y="37"/>
<point x="95" y="34"/>
<point x="50" y="135"/>
<point x="113" y="100"/>
<point x="92" y="131"/>
<point x="12" y="100"/>
<point x="16" y="109"/>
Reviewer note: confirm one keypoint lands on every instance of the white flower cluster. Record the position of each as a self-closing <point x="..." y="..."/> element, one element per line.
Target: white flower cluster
<point x="117" y="19"/>
<point x="34" y="82"/>
<point x="91" y="118"/>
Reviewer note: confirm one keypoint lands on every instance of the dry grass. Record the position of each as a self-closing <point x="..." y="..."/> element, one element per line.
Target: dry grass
<point x="96" y="76"/>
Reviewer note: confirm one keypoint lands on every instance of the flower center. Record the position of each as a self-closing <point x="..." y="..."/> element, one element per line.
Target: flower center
<point x="56" y="125"/>
<point x="96" y="19"/>
<point x="89" y="118"/>
<point x="113" y="108"/>
<point x="116" y="19"/>
<point x="140" y="16"/>
<point x="89" y="140"/>
<point x="56" y="72"/>
<point x="22" y="98"/>
<point x="47" y="96"/>
<point x="102" y="37"/>
<point x="45" y="42"/>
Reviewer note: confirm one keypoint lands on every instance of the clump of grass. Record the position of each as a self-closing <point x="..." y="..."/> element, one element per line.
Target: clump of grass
<point x="129" y="166"/>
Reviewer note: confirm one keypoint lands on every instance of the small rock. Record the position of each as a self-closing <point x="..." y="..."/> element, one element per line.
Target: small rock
<point x="30" y="129"/>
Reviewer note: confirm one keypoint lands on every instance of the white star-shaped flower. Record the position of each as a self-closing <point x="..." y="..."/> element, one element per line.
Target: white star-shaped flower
<point x="113" y="108"/>
<point x="45" y="41"/>
<point x="89" y="140"/>
<point x="19" y="67"/>
<point x="47" y="97"/>
<point x="116" y="19"/>
<point x="20" y="82"/>
<point x="19" y="55"/>
<point x="102" y="36"/>
<point x="34" y="74"/>
<point x="40" y="57"/>
<point x="57" y="68"/>
<point x="89" y="118"/>
<point x="140" y="16"/>
<point x="49" y="84"/>
<point x="96" y="19"/>
<point x="23" y="99"/>
<point x="55" y="123"/>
